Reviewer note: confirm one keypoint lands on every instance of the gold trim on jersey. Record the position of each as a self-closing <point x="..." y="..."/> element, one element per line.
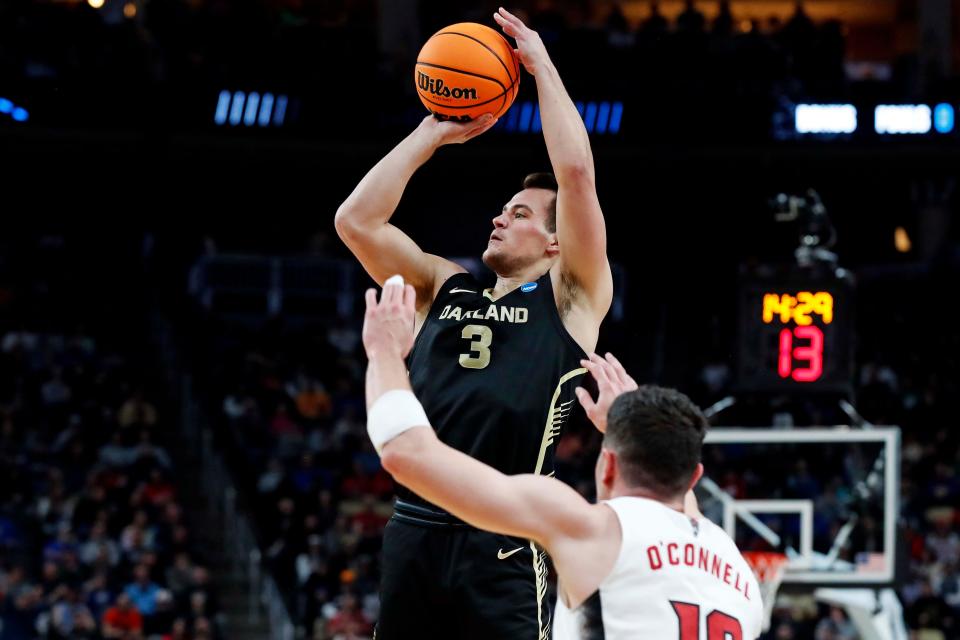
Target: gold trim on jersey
<point x="540" y="577"/>
<point x="556" y="417"/>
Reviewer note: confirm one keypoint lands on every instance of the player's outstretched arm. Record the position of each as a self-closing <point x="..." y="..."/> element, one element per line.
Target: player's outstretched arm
<point x="363" y="220"/>
<point x="526" y="506"/>
<point x="580" y="227"/>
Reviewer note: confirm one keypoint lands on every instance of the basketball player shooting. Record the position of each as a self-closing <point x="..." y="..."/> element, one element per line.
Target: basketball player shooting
<point x="632" y="566"/>
<point x="495" y="368"/>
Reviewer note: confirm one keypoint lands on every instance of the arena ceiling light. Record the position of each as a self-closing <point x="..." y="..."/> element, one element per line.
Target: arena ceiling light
<point x="8" y="108"/>
<point x="944" y="118"/>
<point x="916" y="119"/>
<point x="237" y="108"/>
<point x="825" y="118"/>
<point x="598" y="117"/>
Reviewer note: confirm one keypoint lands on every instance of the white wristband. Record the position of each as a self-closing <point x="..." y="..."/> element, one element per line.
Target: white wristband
<point x="393" y="413"/>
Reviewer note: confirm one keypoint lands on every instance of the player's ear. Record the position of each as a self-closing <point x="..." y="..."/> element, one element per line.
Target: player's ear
<point x="553" y="245"/>
<point x="599" y="472"/>
<point x="697" y="474"/>
<point x="608" y="467"/>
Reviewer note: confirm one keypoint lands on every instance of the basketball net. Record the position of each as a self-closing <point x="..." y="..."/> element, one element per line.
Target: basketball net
<point x="769" y="568"/>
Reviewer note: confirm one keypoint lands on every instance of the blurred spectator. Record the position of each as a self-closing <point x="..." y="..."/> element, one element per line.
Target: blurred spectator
<point x="272" y="477"/>
<point x="149" y="453"/>
<point x="158" y="490"/>
<point x="142" y="591"/>
<point x="931" y="613"/>
<point x="944" y="542"/>
<point x="348" y="621"/>
<point x="137" y="412"/>
<point x="723" y="24"/>
<point x="88" y="506"/>
<point x="138" y="534"/>
<point x="98" y="595"/>
<point x="656" y="24"/>
<point x="122" y="620"/>
<point x="180" y="576"/>
<point x="835" y="627"/>
<point x="179" y="630"/>
<point x="691" y="20"/>
<point x="282" y="425"/>
<point x="55" y="391"/>
<point x="162" y="620"/>
<point x="362" y="482"/>
<point x="310" y="397"/>
<point x="117" y="453"/>
<point x="344" y="337"/>
<point x="71" y="619"/>
<point x="202" y="584"/>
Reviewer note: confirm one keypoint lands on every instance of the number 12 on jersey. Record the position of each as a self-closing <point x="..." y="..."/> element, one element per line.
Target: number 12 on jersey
<point x="720" y="626"/>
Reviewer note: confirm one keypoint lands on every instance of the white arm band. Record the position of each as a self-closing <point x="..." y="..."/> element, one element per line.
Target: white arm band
<point x="393" y="413"/>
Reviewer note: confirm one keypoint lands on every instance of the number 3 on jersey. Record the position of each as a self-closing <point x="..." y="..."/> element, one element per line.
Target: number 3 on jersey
<point x="720" y="626"/>
<point x="480" y="338"/>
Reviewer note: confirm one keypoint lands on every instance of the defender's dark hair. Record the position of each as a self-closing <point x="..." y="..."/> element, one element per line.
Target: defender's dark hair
<point x="657" y="434"/>
<point x="546" y="181"/>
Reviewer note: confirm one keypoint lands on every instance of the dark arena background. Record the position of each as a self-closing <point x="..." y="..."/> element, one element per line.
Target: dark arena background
<point x="183" y="451"/>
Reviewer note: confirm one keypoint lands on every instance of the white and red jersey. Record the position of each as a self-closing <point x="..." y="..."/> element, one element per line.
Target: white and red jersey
<point x="675" y="578"/>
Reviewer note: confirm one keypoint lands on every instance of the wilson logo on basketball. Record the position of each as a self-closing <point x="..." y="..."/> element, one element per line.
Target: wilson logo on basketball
<point x="436" y="87"/>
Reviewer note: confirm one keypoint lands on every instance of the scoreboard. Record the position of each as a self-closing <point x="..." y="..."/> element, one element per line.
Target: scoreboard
<point x="796" y="332"/>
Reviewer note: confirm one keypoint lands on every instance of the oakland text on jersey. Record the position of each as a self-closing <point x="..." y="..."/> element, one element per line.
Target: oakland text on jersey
<point x="516" y="315"/>
<point x="437" y="88"/>
<point x="692" y="555"/>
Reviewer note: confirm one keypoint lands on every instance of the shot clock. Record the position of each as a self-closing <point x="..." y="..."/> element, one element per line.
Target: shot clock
<point x="796" y="332"/>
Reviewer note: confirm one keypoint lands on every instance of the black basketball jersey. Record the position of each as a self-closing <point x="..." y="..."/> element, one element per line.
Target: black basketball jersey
<point x="496" y="378"/>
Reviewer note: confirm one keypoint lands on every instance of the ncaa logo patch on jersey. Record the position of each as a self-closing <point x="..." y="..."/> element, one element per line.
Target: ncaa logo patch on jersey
<point x="527" y="288"/>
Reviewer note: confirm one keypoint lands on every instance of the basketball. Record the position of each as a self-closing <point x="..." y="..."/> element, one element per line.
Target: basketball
<point x="466" y="70"/>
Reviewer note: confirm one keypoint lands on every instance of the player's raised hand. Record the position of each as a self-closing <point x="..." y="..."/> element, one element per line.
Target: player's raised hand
<point x="612" y="380"/>
<point x="449" y="132"/>
<point x="388" y="324"/>
<point x="530" y="47"/>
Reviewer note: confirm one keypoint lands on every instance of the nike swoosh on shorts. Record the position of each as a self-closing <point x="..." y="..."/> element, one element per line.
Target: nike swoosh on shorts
<point x="503" y="556"/>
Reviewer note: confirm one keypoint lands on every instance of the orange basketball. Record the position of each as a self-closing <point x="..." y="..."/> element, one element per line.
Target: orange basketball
<point x="465" y="71"/>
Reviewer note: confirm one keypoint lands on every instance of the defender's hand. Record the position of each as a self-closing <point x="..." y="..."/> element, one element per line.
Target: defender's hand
<point x="612" y="380"/>
<point x="388" y="324"/>
<point x="530" y="48"/>
<point x="440" y="132"/>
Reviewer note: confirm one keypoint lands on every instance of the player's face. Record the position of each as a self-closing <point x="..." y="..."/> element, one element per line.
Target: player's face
<point x="520" y="236"/>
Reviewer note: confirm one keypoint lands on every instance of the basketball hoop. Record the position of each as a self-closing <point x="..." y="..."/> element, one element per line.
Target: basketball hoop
<point x="769" y="568"/>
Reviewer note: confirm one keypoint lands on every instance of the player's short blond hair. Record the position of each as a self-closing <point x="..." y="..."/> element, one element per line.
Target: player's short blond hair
<point x="548" y="181"/>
